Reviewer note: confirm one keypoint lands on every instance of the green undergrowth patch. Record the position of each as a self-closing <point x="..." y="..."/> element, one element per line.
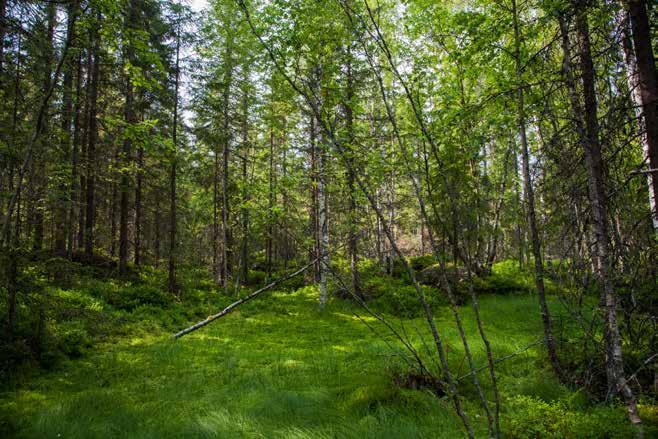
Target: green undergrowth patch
<point x="280" y="367"/>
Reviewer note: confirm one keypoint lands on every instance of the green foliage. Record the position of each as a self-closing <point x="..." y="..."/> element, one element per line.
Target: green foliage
<point x="419" y="263"/>
<point x="398" y="297"/>
<point x="530" y="417"/>
<point x="278" y="367"/>
<point x="73" y="338"/>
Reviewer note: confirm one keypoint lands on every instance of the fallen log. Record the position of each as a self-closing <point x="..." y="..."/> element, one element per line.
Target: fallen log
<point x="245" y="299"/>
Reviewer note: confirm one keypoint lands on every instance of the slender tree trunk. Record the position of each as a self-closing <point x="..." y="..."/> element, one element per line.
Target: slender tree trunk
<point x="124" y="185"/>
<point x="595" y="167"/>
<point x="63" y="205"/>
<point x="322" y="217"/>
<point x="114" y="203"/>
<point x="519" y="207"/>
<point x="130" y="119"/>
<point x="530" y="203"/>
<point x="11" y="275"/>
<point x="14" y="125"/>
<point x="244" y="248"/>
<point x="172" y="282"/>
<point x="39" y="168"/>
<point x="91" y="146"/>
<point x="156" y="226"/>
<point x="226" y="144"/>
<point x="313" y="210"/>
<point x="3" y="31"/>
<point x="138" y="206"/>
<point x="83" y="155"/>
<point x="352" y="239"/>
<point x="215" y="218"/>
<point x="323" y="229"/>
<point x="75" y="158"/>
<point x="269" y="244"/>
<point x="285" y="199"/>
<point x="644" y="86"/>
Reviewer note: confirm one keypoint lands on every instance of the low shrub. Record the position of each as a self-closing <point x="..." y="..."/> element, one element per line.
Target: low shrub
<point x="134" y="296"/>
<point x="72" y="338"/>
<point x="419" y="263"/>
<point x="530" y="417"/>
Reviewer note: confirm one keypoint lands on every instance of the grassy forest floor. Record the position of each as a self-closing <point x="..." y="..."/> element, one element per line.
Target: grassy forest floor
<point x="276" y="367"/>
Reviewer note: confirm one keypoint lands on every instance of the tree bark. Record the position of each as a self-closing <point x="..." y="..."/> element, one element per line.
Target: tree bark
<point x="322" y="217"/>
<point x="63" y="205"/>
<point x="215" y="218"/>
<point x="75" y="158"/>
<point x="530" y="202"/>
<point x="595" y="168"/>
<point x="39" y="169"/>
<point x="269" y="243"/>
<point x="172" y="282"/>
<point x="644" y="87"/>
<point x="352" y="239"/>
<point x="226" y="144"/>
<point x="244" y="214"/>
<point x="129" y="118"/>
<point x="90" y="215"/>
<point x="138" y="206"/>
<point x="314" y="229"/>
<point x="3" y="31"/>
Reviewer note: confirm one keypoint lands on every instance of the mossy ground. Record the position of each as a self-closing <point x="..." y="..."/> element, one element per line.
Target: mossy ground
<point x="279" y="367"/>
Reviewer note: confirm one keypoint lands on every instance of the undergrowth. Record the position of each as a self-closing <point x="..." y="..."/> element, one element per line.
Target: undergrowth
<point x="277" y="366"/>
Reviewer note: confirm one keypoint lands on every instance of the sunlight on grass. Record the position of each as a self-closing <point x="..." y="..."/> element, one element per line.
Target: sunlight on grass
<point x="263" y="373"/>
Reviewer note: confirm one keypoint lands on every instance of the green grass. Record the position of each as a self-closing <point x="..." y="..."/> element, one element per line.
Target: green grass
<point x="278" y="367"/>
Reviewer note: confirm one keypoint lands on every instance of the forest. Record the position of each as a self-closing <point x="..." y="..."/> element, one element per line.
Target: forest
<point x="328" y="218"/>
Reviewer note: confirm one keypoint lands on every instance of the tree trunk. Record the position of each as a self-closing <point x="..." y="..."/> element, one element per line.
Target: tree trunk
<point x="129" y="117"/>
<point x="39" y="168"/>
<point x="323" y="229"/>
<point x="75" y="158"/>
<point x="352" y="239"/>
<point x="244" y="248"/>
<point x="62" y="208"/>
<point x="3" y="31"/>
<point x="172" y="282"/>
<point x="322" y="217"/>
<point x="91" y="146"/>
<point x="594" y="161"/>
<point x="12" y="289"/>
<point x="113" y="204"/>
<point x="156" y="226"/>
<point x="215" y="218"/>
<point x="226" y="143"/>
<point x="530" y="203"/>
<point x="314" y="229"/>
<point x="138" y="206"/>
<point x="644" y="87"/>
<point x="269" y="244"/>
